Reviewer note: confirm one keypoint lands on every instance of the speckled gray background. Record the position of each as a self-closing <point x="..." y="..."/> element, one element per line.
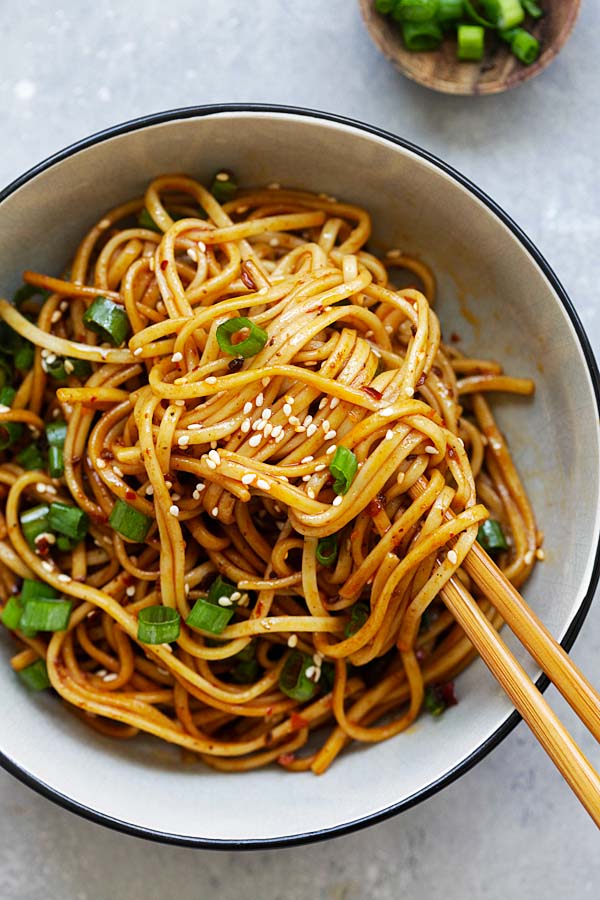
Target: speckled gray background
<point x="510" y="828"/>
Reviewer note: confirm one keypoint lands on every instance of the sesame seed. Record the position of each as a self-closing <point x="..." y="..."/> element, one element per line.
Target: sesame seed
<point x="130" y="591"/>
<point x="528" y="558"/>
<point x="149" y="490"/>
<point x="287" y="409"/>
<point x="138" y="351"/>
<point x="210" y="463"/>
<point x="200" y="486"/>
<point x="100" y="463"/>
<point x="110" y="676"/>
<point x="311" y="672"/>
<point x="118" y="472"/>
<point x="307" y="459"/>
<point x="266" y="381"/>
<point x="202" y="246"/>
<point x="331" y="434"/>
<point x="292" y="641"/>
<point x="331" y="449"/>
<point x="320" y="467"/>
<point x="168" y="483"/>
<point x="245" y="426"/>
<point x="389" y="434"/>
<point x="539" y="554"/>
<point x="267" y="429"/>
<point x="452" y="557"/>
<point x="306" y="477"/>
<point x="224" y="601"/>
<point x="260" y="399"/>
<point x="48" y="567"/>
<point x="318" y="659"/>
<point x="255" y="440"/>
<point x="237" y="595"/>
<point x="211" y="379"/>
<point x="63" y="306"/>
<point x="194" y="426"/>
<point x="322" y="402"/>
<point x="274" y="242"/>
<point x="4" y="408"/>
<point x="310" y="493"/>
<point x="177" y="357"/>
<point x="388" y="411"/>
<point x="325" y="425"/>
<point x="174" y="510"/>
<point x="247" y="408"/>
<point x="179" y="402"/>
<point x="258" y="425"/>
<point x="64" y="578"/>
<point x="263" y="485"/>
<point x="289" y="399"/>
<point x="312" y="428"/>
<point x="389" y="329"/>
<point x="183" y="440"/>
<point x="56" y="316"/>
<point x="294" y="420"/>
<point x="192" y="254"/>
<point x="214" y="455"/>
<point x="214" y="511"/>
<point x="307" y="421"/>
<point x="409" y="391"/>
<point x="393" y="254"/>
<point x="337" y="500"/>
<point x="242" y="209"/>
<point x="266" y="414"/>
<point x="195" y="495"/>
<point x="186" y="589"/>
<point x="280" y="435"/>
<point x="431" y="450"/>
<point x="50" y="489"/>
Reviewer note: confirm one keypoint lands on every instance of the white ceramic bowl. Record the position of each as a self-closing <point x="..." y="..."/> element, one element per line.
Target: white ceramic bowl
<point x="523" y="317"/>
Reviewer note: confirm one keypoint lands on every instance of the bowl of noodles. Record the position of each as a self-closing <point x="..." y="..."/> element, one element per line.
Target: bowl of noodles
<point x="266" y="377"/>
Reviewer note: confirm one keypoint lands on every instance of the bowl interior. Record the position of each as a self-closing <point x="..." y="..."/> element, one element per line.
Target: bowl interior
<point x="512" y="314"/>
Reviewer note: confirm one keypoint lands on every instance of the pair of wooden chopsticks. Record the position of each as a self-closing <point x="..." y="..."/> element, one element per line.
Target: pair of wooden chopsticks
<point x="550" y="656"/>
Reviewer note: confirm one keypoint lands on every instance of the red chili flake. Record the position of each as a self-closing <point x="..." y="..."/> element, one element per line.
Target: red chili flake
<point x="286" y="759"/>
<point x="235" y="364"/>
<point x="437" y="371"/>
<point x="42" y="547"/>
<point x="269" y="711"/>
<point x="447" y="693"/>
<point x="247" y="279"/>
<point x="297" y="722"/>
<point x="421" y="380"/>
<point x="258" y="608"/>
<point x="372" y="392"/>
<point x="376" y="505"/>
<point x="164" y="263"/>
<point x="130" y="495"/>
<point x="99" y="518"/>
<point x="451" y="452"/>
<point x="455" y="338"/>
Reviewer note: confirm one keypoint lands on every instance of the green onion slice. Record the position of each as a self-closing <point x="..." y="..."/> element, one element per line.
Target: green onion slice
<point x="224" y="186"/>
<point x="35" y="676"/>
<point x="491" y="536"/>
<point x="247" y="668"/>
<point x="523" y="44"/>
<point x="343" y="467"/>
<point x="33" y="590"/>
<point x="34" y="522"/>
<point x="158" y="625"/>
<point x="107" y="319"/>
<point x="504" y="13"/>
<point x="532" y="9"/>
<point x="129" y="522"/>
<point x="220" y="589"/>
<point x="71" y="521"/>
<point x="414" y="10"/>
<point x="46" y="614"/>
<point x="471" y="42"/>
<point x="10" y="432"/>
<point x="359" y="614"/>
<point x="449" y="11"/>
<point x="31" y="457"/>
<point x="241" y="337"/>
<point x="421" y="36"/>
<point x="293" y="680"/>
<point x="327" y="550"/>
<point x="145" y="220"/>
<point x="60" y="367"/>
<point x="12" y="612"/>
<point x="207" y="616"/>
<point x="477" y="17"/>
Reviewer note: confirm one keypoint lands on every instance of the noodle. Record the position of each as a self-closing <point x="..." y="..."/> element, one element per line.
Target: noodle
<point x="227" y="457"/>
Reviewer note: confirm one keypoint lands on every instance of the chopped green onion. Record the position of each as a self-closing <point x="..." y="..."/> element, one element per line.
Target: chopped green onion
<point x="158" y="625"/>
<point x="420" y="36"/>
<point x="471" y="42"/>
<point x="327" y="678"/>
<point x="16" y="346"/>
<point x="247" y="668"/>
<point x="343" y="467"/>
<point x="491" y="536"/>
<point x="108" y="319"/>
<point x="523" y="44"/>
<point x="207" y="616"/>
<point x="69" y="520"/>
<point x="241" y="337"/>
<point x="12" y="612"/>
<point x="438" y="697"/>
<point x="56" y="433"/>
<point x="32" y="590"/>
<point x="46" y="614"/>
<point x="532" y="9"/>
<point x="34" y="522"/>
<point x="476" y="16"/>
<point x="24" y="356"/>
<point x="65" y="543"/>
<point x="60" y="367"/>
<point x="129" y="522"/>
<point x="224" y="186"/>
<point x="145" y="220"/>
<point x="26" y="292"/>
<point x="327" y="550"/>
<point x="449" y="11"/>
<point x="6" y="373"/>
<point x="359" y="614"/>
<point x="414" y="10"/>
<point x="31" y="457"/>
<point x="293" y="680"/>
<point x="384" y="6"/>
<point x="504" y="13"/>
<point x="220" y="589"/>
<point x="10" y="432"/>
<point x="35" y="676"/>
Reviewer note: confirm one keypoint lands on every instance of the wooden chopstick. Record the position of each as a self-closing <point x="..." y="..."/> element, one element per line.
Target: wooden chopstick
<point x="547" y="652"/>
<point x="548" y="729"/>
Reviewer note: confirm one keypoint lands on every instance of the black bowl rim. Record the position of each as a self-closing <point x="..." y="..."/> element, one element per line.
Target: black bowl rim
<point x="542" y="683"/>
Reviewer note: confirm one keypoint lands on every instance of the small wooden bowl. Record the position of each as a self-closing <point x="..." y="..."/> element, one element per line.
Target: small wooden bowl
<point x="498" y="71"/>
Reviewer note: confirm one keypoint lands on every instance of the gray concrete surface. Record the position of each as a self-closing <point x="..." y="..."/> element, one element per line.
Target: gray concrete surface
<point x="510" y="828"/>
